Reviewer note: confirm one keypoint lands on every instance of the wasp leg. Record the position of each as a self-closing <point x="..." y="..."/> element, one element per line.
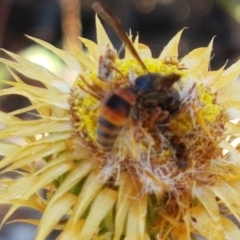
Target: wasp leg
<point x="118" y="71"/>
<point x="158" y="116"/>
<point x="139" y="120"/>
<point x="95" y="92"/>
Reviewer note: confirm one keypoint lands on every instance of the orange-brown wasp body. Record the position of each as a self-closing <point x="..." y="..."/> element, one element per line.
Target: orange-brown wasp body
<point x="113" y="115"/>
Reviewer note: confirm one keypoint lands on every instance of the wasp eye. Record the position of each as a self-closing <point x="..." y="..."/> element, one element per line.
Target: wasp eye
<point x="144" y="82"/>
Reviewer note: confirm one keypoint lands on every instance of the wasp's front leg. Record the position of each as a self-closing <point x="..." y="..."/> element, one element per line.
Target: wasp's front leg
<point x="139" y="119"/>
<point x="155" y="116"/>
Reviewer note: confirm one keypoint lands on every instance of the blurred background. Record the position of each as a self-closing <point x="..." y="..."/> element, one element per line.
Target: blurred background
<point x="157" y="21"/>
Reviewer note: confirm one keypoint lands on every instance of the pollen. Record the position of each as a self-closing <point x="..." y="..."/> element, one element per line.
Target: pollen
<point x="210" y="108"/>
<point x="207" y="107"/>
<point x="153" y="66"/>
<point x="87" y="114"/>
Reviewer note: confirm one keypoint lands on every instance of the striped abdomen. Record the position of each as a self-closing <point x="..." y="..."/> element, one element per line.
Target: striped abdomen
<point x="114" y="113"/>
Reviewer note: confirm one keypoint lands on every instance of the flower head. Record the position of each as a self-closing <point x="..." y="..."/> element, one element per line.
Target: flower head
<point x="167" y="175"/>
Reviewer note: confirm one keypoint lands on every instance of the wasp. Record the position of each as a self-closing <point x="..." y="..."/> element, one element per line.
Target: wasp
<point x="150" y="91"/>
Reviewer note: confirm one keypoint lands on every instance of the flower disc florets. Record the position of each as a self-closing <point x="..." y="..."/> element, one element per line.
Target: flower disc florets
<point x="165" y="154"/>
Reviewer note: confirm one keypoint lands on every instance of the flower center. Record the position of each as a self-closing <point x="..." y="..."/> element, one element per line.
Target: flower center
<point x="159" y="134"/>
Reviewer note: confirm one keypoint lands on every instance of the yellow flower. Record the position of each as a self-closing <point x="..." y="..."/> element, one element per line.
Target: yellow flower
<point x="175" y="181"/>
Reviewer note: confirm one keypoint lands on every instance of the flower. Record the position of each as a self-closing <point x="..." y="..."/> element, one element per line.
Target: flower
<point x="174" y="182"/>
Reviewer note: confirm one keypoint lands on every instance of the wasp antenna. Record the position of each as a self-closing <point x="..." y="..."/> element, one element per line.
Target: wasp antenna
<point x="107" y="15"/>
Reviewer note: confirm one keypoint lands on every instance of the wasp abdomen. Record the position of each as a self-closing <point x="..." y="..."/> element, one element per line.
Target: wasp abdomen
<point x="114" y="113"/>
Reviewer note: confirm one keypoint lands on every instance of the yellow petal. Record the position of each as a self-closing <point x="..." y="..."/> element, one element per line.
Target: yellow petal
<point x="128" y="53"/>
<point x="85" y="59"/>
<point x="26" y="187"/>
<point x="40" y="94"/>
<point x="232" y="231"/>
<point x="35" y="72"/>
<point x="180" y="234"/>
<point x="92" y="47"/>
<point x="171" y="50"/>
<point x="233" y="114"/>
<point x="229" y="196"/>
<point x="233" y="153"/>
<point x="211" y="78"/>
<point x="102" y="37"/>
<point x="102" y="204"/>
<point x="136" y="222"/>
<point x="6" y="148"/>
<point x="16" y="203"/>
<point x="232" y="129"/>
<point x="72" y="179"/>
<point x="142" y="49"/>
<point x="54" y="214"/>
<point x="197" y="61"/>
<point x="35" y="127"/>
<point x="25" y="154"/>
<point x="72" y="231"/>
<point x="125" y="192"/>
<point x="208" y="200"/>
<point x="227" y="76"/>
<point x="202" y="222"/>
<point x="231" y="89"/>
<point x="43" y="108"/>
<point x="90" y="189"/>
<point x="67" y="57"/>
